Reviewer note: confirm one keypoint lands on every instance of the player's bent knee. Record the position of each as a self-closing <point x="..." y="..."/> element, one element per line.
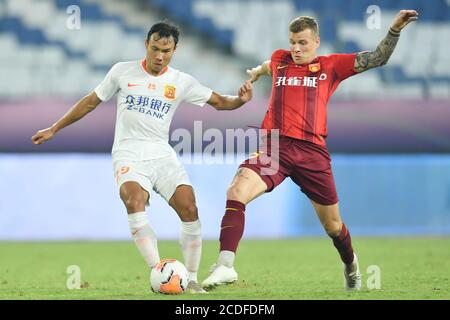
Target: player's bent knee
<point x="237" y="193"/>
<point x="134" y="203"/>
<point x="333" y="229"/>
<point x="188" y="212"/>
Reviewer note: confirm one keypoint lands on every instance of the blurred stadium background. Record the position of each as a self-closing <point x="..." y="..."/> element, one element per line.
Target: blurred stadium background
<point x="389" y="127"/>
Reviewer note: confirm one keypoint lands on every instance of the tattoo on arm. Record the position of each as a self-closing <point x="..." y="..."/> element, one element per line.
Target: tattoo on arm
<point x="370" y="59"/>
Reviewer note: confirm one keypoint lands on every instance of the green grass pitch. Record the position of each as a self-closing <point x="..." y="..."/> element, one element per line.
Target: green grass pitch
<point x="304" y="268"/>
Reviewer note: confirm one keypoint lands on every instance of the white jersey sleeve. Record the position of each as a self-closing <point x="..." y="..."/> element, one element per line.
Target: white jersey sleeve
<point x="110" y="84"/>
<point x="197" y="93"/>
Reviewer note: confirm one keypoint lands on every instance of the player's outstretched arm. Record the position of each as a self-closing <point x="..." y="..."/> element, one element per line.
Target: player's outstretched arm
<point x="370" y="59"/>
<point x="256" y="72"/>
<point x="78" y="111"/>
<point x="220" y="102"/>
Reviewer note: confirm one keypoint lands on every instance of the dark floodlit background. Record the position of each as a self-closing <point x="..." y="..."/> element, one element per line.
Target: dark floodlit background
<point x="389" y="128"/>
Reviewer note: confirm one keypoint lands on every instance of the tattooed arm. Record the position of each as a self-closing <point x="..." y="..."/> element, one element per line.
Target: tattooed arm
<point x="370" y="59"/>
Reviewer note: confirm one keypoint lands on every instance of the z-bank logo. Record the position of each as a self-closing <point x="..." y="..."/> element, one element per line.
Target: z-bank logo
<point x="151" y="107"/>
<point x="300" y="81"/>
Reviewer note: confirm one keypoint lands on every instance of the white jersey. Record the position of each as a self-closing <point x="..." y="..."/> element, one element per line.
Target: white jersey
<point x="145" y="107"/>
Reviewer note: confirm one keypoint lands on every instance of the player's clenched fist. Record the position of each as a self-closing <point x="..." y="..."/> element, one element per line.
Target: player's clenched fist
<point x="246" y="91"/>
<point x="43" y="135"/>
<point x="403" y="18"/>
<point x="253" y="73"/>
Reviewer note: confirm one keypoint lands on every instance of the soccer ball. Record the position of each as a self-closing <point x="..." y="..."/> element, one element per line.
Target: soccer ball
<point x="169" y="276"/>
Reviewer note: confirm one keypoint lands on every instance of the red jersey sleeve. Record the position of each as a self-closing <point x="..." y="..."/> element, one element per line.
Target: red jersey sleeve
<point x="343" y="65"/>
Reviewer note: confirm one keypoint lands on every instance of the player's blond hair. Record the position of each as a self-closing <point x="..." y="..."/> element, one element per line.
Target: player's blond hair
<point x="303" y="23"/>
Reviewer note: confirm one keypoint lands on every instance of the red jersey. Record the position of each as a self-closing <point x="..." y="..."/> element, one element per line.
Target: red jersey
<point x="300" y="93"/>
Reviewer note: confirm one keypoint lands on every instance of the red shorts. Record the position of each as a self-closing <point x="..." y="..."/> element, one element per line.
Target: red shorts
<point x="307" y="164"/>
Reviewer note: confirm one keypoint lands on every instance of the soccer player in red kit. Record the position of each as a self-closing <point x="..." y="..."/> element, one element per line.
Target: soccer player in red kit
<point x="302" y="83"/>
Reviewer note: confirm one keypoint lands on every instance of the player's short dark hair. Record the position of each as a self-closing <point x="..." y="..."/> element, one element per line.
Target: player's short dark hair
<point x="302" y="23"/>
<point x="165" y="29"/>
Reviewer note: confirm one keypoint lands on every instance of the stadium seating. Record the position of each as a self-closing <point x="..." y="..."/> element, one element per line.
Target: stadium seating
<point x="420" y="59"/>
<point x="34" y="31"/>
<point x="46" y="58"/>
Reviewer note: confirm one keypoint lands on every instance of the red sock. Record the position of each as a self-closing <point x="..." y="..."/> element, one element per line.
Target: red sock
<point x="232" y="226"/>
<point x="343" y="244"/>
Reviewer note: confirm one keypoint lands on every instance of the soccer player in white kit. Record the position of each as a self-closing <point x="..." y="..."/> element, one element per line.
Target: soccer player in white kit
<point x="149" y="92"/>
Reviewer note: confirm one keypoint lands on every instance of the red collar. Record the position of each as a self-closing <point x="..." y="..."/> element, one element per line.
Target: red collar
<point x="144" y="65"/>
<point x="316" y="59"/>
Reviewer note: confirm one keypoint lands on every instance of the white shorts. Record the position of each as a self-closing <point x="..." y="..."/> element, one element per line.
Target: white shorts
<point x="163" y="175"/>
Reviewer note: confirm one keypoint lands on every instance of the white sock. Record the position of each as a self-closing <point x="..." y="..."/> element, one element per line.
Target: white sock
<point x="144" y="237"/>
<point x="226" y="258"/>
<point x="191" y="246"/>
